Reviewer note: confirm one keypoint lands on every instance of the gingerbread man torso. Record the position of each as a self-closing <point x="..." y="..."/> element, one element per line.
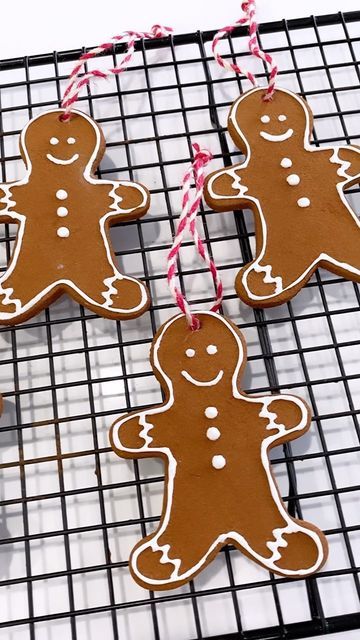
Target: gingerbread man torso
<point x="56" y="219"/>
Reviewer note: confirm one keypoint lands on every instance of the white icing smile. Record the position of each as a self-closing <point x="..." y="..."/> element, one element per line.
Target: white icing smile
<point x="199" y="383"/>
<point x="279" y="138"/>
<point x="60" y="161"/>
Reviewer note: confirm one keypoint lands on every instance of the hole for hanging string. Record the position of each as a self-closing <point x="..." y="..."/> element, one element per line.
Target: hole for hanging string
<point x="65" y="117"/>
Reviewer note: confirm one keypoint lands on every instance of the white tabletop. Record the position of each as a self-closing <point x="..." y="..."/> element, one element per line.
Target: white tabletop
<point x="41" y="28"/>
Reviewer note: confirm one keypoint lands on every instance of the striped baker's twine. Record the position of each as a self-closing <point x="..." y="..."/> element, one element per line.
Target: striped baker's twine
<point x="254" y="47"/>
<point x="187" y="221"/>
<point x="77" y="81"/>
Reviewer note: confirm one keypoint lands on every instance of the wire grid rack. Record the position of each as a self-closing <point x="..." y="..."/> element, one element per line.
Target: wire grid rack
<point x="70" y="509"/>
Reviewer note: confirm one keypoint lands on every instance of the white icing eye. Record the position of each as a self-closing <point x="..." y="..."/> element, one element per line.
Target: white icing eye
<point x="282" y="118"/>
<point x="54" y="141"/>
<point x="265" y="119"/>
<point x="71" y="140"/>
<point x="211" y="349"/>
<point x="190" y="353"/>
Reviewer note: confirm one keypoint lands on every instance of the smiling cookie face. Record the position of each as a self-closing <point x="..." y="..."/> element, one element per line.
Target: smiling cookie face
<point x="49" y="141"/>
<point x="275" y="121"/>
<point x="198" y="359"/>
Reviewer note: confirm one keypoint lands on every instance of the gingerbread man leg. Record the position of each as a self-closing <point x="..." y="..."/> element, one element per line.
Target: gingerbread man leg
<point x="25" y="291"/>
<point x="274" y="278"/>
<point x="178" y="550"/>
<point x="280" y="543"/>
<point x="277" y="541"/>
<point x="99" y="286"/>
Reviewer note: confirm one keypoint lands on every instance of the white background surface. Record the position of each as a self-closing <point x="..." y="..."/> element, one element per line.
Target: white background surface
<point x="71" y="24"/>
<point x="39" y="26"/>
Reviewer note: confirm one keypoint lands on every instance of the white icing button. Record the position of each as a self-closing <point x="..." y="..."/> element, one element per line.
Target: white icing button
<point x="213" y="433"/>
<point x="282" y="118"/>
<point x="63" y="232"/>
<point x="190" y="353"/>
<point x="211" y="412"/>
<point x="62" y="212"/>
<point x="286" y="163"/>
<point x="71" y="140"/>
<point x="218" y="462"/>
<point x="303" y="202"/>
<point x="265" y="119"/>
<point x="61" y="194"/>
<point x="211" y="349"/>
<point x="54" y="141"/>
<point x="293" y="179"/>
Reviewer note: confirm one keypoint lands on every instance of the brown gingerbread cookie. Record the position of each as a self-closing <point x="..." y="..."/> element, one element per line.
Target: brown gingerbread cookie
<point x="64" y="214"/>
<point x="296" y="192"/>
<point x="215" y="442"/>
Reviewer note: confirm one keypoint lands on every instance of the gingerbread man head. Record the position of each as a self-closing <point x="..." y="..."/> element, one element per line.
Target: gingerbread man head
<point x="256" y="122"/>
<point x="208" y="358"/>
<point x="47" y="142"/>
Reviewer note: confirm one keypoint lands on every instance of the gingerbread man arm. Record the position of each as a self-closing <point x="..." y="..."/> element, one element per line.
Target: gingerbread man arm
<point x="226" y="188"/>
<point x="287" y="418"/>
<point x="350" y="155"/>
<point x="131" y="201"/>
<point x="135" y="432"/>
<point x="5" y="214"/>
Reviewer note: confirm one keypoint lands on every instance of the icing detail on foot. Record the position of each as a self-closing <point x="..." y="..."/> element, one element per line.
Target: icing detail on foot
<point x="7" y="293"/>
<point x="279" y="542"/>
<point x="110" y="289"/>
<point x="269" y="279"/>
<point x="165" y="559"/>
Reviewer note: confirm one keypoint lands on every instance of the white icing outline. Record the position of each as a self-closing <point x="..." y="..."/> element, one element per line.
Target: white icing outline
<point x="291" y="525"/>
<point x="115" y="209"/>
<point x="270" y="137"/>
<point x="59" y="161"/>
<point x="340" y="186"/>
<point x="198" y="383"/>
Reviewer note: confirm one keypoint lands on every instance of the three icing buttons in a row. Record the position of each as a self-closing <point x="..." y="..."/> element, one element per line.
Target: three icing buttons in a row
<point x="293" y="180"/>
<point x="213" y="433"/>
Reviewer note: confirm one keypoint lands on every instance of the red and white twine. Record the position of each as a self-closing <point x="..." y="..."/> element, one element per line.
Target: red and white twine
<point x="78" y="79"/>
<point x="187" y="221"/>
<point x="254" y="47"/>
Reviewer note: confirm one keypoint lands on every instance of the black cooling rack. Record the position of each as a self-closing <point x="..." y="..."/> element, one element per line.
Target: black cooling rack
<point x="67" y="374"/>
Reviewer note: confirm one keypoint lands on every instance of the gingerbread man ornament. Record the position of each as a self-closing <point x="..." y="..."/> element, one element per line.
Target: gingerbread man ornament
<point x="214" y="441"/>
<point x="63" y="214"/>
<point x="296" y="192"/>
